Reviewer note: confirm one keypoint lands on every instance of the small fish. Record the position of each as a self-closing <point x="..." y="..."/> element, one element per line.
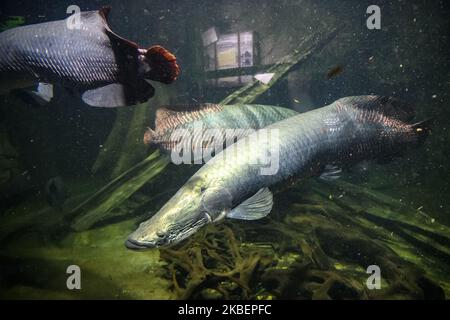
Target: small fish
<point x="231" y="186"/>
<point x="55" y="193"/>
<point x="169" y="119"/>
<point x="107" y="70"/>
<point x="333" y="72"/>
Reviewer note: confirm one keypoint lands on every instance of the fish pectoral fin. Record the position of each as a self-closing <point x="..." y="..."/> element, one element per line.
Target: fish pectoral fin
<point x="118" y="95"/>
<point x="331" y="173"/>
<point x="43" y="93"/>
<point x="256" y="207"/>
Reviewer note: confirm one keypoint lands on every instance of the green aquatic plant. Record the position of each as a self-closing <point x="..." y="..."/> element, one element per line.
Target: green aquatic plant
<point x="123" y="147"/>
<point x="317" y="248"/>
<point x="214" y="264"/>
<point x="12" y="22"/>
<point x="98" y="206"/>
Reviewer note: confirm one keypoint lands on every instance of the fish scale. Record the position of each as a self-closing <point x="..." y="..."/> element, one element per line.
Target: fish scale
<point x="301" y="144"/>
<point x="66" y="59"/>
<point x="210" y="116"/>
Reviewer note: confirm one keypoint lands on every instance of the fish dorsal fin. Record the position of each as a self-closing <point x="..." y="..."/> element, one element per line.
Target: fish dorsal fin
<point x="104" y="12"/>
<point x="100" y="17"/>
<point x="256" y="207"/>
<point x="387" y="106"/>
<point x="170" y="117"/>
<point x="95" y="17"/>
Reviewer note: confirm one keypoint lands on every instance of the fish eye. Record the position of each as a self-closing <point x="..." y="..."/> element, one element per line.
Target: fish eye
<point x="202" y="189"/>
<point x="160" y="234"/>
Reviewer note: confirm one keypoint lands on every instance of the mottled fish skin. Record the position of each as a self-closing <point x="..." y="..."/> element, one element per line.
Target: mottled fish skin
<point x="349" y="130"/>
<point x="51" y="52"/>
<point x="211" y="116"/>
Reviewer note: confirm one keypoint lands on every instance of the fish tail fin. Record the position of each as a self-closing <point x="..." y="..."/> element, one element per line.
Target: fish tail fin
<point x="422" y="129"/>
<point x="385" y="105"/>
<point x="149" y="136"/>
<point x="163" y="65"/>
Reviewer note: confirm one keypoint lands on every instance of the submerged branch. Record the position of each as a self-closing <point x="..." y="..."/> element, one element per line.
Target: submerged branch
<point x="98" y="206"/>
<point x="307" y="48"/>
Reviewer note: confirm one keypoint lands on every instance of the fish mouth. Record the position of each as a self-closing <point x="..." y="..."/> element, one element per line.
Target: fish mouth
<point x="134" y="245"/>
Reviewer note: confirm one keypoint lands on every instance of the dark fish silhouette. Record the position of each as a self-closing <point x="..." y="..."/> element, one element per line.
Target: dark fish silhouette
<point x="55" y="193"/>
<point x="108" y="70"/>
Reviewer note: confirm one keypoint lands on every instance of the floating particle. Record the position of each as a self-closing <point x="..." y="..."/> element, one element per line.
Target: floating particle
<point x="333" y="72"/>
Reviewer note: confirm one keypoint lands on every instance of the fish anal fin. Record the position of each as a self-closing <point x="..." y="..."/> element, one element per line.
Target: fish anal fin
<point x="163" y="65"/>
<point x="256" y="207"/>
<point x="117" y="95"/>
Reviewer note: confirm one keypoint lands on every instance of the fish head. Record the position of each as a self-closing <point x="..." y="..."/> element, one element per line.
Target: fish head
<point x="191" y="208"/>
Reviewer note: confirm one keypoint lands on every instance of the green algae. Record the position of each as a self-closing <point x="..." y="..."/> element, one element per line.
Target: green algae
<point x="315" y="248"/>
<point x="112" y="195"/>
<point x="11" y="22"/>
<point x="108" y="269"/>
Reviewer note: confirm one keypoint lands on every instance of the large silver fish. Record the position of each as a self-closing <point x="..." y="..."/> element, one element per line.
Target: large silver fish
<point x="231" y="184"/>
<point x="108" y="70"/>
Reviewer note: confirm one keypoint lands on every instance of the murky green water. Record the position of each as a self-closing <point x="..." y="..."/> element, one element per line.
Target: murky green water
<point x="321" y="236"/>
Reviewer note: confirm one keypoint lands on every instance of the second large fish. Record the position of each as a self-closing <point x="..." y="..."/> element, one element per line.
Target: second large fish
<point x="208" y="128"/>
